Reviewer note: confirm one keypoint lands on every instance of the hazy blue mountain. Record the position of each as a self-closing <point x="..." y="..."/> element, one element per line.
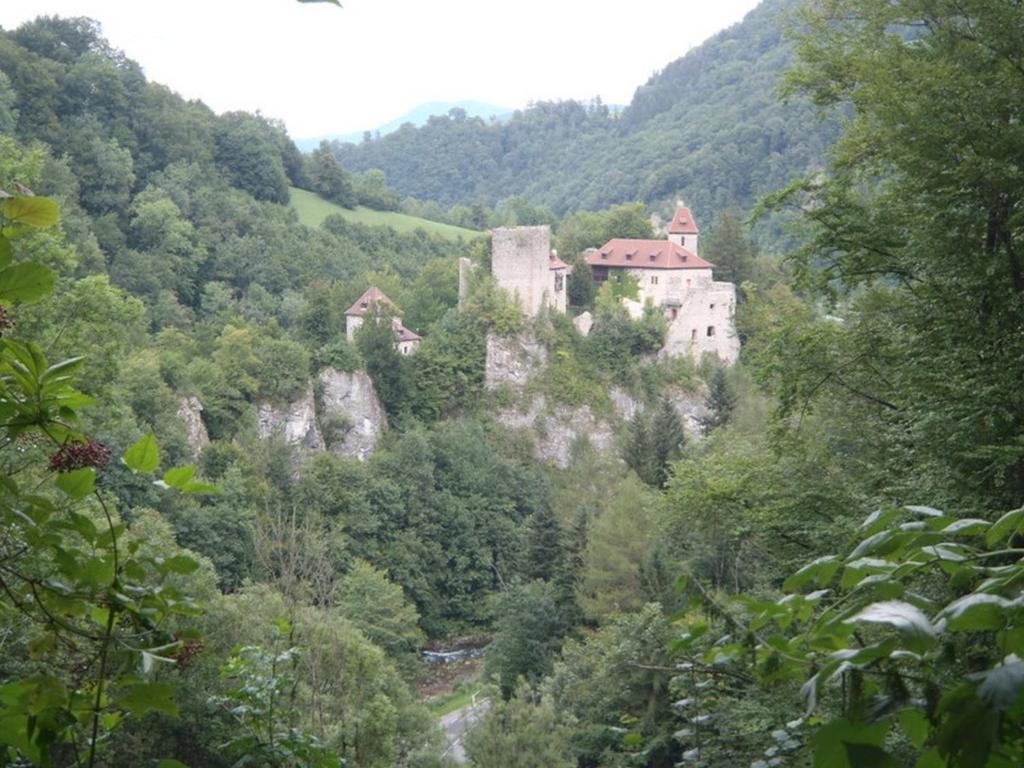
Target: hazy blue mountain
<point x="708" y="128"/>
<point x="417" y="116"/>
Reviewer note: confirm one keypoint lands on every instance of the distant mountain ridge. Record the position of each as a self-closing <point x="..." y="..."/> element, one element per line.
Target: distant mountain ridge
<point x="417" y="116"/>
<point x="708" y="128"/>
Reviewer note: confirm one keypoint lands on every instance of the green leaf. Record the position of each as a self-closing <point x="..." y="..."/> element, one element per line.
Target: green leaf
<point x="915" y="725"/>
<point x="1004" y="527"/>
<point x="1002" y="686"/>
<point x="150" y="697"/>
<point x="144" y="456"/>
<point x="868" y="756"/>
<point x="931" y="759"/>
<point x="6" y="252"/>
<point x="819" y="571"/>
<point x="177" y="477"/>
<point x="34" y="211"/>
<point x="200" y="488"/>
<point x="25" y="282"/>
<point x="907" y="619"/>
<point x="831" y="742"/>
<point x="976" y="612"/>
<point x="77" y="483"/>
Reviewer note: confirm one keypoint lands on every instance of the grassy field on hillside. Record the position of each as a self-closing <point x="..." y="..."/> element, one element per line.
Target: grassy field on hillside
<point x="313" y="209"/>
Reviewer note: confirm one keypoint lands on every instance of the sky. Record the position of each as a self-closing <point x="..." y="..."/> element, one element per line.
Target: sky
<point x="323" y="69"/>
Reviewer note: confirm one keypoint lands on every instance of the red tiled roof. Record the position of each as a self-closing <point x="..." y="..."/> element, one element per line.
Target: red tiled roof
<point x="556" y="263"/>
<point x="646" y="254"/>
<point x="404" y="334"/>
<point x="372" y="296"/>
<point x="683" y="222"/>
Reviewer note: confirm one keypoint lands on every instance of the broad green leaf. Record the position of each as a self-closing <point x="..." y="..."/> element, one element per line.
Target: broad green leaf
<point x="868" y="756"/>
<point x="1002" y="686"/>
<point x="177" y="477"/>
<point x="150" y="697"/>
<point x="63" y="367"/>
<point x="915" y="725"/>
<point x="976" y="612"/>
<point x="819" y="571"/>
<point x="831" y="740"/>
<point x="907" y="619"/>
<point x="931" y="759"/>
<point x="1004" y="527"/>
<point x="182" y="564"/>
<point x="968" y="526"/>
<point x="34" y="211"/>
<point x="923" y="511"/>
<point x="25" y="282"/>
<point x="77" y="483"/>
<point x="144" y="456"/>
<point x="200" y="488"/>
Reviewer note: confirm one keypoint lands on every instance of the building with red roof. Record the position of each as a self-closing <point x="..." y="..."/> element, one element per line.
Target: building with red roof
<point x="673" y="278"/>
<point x="374" y="299"/>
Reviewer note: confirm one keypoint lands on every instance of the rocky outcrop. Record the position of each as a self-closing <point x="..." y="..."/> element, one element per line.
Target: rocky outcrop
<point x="295" y="422"/>
<point x="190" y="411"/>
<point x="583" y="322"/>
<point x="351" y="416"/>
<point x="513" y="361"/>
<point x="556" y="429"/>
<point x="342" y="415"/>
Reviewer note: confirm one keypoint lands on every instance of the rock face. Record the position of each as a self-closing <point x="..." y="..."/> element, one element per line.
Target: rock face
<point x="343" y="416"/>
<point x="296" y="422"/>
<point x="190" y="411"/>
<point x="351" y="416"/>
<point x="513" y="361"/>
<point x="557" y="430"/>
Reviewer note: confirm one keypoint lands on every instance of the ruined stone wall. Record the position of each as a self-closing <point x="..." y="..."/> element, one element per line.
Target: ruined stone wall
<point x="520" y="261"/>
<point x="706" y="324"/>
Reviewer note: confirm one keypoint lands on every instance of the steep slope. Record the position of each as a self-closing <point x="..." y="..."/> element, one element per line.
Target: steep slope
<point x="709" y="128"/>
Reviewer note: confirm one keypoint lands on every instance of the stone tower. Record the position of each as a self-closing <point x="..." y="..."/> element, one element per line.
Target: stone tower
<point x="521" y="262"/>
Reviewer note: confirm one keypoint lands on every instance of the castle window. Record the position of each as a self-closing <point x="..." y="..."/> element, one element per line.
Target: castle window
<point x="653" y="256"/>
<point x="629" y="257"/>
<point x="654" y="280"/>
<point x="711" y="330"/>
<point x="712" y="306"/>
<point x="693" y="335"/>
<point x="559" y="281"/>
<point x="604" y="254"/>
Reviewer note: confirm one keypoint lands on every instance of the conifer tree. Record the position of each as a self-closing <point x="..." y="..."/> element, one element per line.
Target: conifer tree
<point x="720" y="402"/>
<point x="638" y="451"/>
<point x="545" y="551"/>
<point x="667" y="440"/>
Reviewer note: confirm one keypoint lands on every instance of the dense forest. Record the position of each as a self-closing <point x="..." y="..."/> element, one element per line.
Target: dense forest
<point x="822" y="568"/>
<point x="708" y="128"/>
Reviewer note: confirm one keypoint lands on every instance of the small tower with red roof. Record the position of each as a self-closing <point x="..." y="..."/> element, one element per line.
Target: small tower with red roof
<point x="682" y="230"/>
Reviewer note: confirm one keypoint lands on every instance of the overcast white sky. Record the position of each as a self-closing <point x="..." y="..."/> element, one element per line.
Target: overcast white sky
<point x="322" y="69"/>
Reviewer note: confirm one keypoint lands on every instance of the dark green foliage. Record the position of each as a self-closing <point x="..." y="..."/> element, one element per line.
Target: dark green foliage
<point x="249" y="150"/>
<point x="376" y="342"/>
<point x="531" y="626"/>
<point x="653" y="442"/>
<point x="728" y="246"/>
<point x="581" y="290"/>
<point x="543" y="550"/>
<point x="720" y="402"/>
<point x="329" y="179"/>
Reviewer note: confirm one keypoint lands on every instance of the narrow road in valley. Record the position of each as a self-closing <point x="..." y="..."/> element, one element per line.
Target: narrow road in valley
<point x="457" y="723"/>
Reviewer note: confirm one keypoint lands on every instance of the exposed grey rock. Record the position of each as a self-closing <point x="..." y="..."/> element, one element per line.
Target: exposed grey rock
<point x="296" y="422"/>
<point x="190" y="411"/>
<point x="351" y="416"/>
<point x="513" y="361"/>
<point x="584" y="322"/>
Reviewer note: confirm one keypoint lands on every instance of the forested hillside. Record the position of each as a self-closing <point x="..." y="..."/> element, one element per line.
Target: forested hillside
<point x="811" y="558"/>
<point x="708" y="128"/>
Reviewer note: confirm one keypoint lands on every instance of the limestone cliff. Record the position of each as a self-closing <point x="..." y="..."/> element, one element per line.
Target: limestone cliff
<point x="556" y="429"/>
<point x="351" y="416"/>
<point x="340" y="413"/>
<point x="190" y="411"/>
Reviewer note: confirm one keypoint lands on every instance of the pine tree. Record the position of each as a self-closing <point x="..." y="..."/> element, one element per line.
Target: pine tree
<point x="667" y="440"/>
<point x="545" y="552"/>
<point x="720" y="402"/>
<point x="638" y="451"/>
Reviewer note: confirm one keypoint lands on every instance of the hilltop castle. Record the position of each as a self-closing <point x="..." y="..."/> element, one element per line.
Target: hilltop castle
<point x="672" y="277"/>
